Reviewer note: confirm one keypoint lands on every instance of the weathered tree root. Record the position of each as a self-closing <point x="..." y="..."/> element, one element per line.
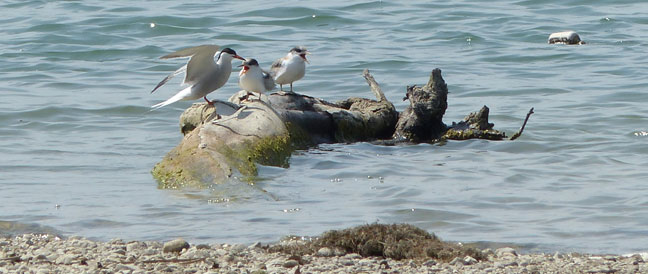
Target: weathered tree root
<point x="517" y="134"/>
<point x="266" y="130"/>
<point x="422" y="121"/>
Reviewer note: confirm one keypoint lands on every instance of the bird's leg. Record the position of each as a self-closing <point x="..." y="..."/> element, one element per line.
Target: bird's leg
<point x="211" y="103"/>
<point x="280" y="87"/>
<point x="291" y="87"/>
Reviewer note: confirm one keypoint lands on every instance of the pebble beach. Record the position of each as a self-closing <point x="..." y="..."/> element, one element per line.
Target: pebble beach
<point x="33" y="253"/>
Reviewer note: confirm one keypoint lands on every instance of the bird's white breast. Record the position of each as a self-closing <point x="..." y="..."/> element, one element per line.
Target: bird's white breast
<point x="292" y="70"/>
<point x="252" y="80"/>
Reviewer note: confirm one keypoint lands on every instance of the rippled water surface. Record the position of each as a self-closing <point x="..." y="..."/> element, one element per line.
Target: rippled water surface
<point x="78" y="140"/>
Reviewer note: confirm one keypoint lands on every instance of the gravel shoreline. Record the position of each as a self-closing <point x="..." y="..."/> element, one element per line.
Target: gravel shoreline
<point x="33" y="253"/>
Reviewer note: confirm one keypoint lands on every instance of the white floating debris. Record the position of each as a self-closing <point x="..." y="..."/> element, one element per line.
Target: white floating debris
<point x="566" y="38"/>
<point x="152" y="25"/>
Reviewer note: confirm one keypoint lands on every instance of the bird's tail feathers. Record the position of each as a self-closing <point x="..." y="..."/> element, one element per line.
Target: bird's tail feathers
<point x="178" y="97"/>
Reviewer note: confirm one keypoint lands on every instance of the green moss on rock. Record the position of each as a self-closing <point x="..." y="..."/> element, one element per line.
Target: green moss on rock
<point x="272" y="151"/>
<point x="186" y="166"/>
<point x="465" y="134"/>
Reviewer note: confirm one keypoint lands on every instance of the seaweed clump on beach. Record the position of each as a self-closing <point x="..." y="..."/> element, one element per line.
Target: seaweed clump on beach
<point x="395" y="241"/>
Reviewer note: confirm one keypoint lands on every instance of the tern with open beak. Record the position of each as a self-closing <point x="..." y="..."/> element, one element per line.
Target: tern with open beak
<point x="253" y="79"/>
<point x="290" y="68"/>
<point x="202" y="73"/>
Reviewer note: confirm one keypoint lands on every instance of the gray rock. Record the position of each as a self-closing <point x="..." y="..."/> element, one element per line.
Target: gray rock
<point x="237" y="248"/>
<point x="505" y="252"/>
<point x="66" y="259"/>
<point x="429" y="263"/>
<point x="503" y="264"/>
<point x="176" y="245"/>
<point x="274" y="262"/>
<point x="339" y="252"/>
<point x="52" y="257"/>
<point x="196" y="253"/>
<point x="119" y="251"/>
<point x="116" y="241"/>
<point x="456" y="261"/>
<point x="123" y="268"/>
<point x="488" y="251"/>
<point x="149" y="252"/>
<point x="325" y="252"/>
<point x="255" y="245"/>
<point x="290" y="263"/>
<point x="352" y="256"/>
<point x="134" y="246"/>
<point x="203" y="246"/>
<point x="533" y="269"/>
<point x="469" y="260"/>
<point x="637" y="259"/>
<point x="26" y="257"/>
<point x="603" y="269"/>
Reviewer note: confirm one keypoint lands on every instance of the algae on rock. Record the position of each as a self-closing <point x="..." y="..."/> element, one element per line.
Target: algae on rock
<point x="396" y="241"/>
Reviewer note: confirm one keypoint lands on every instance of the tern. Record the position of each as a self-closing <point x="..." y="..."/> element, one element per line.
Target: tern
<point x="202" y="74"/>
<point x="290" y="68"/>
<point x="252" y="78"/>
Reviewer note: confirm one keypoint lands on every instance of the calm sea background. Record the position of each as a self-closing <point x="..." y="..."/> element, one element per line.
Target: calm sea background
<point x="78" y="141"/>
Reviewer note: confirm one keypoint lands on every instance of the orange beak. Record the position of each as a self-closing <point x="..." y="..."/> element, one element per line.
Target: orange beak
<point x="303" y="56"/>
<point x="244" y="70"/>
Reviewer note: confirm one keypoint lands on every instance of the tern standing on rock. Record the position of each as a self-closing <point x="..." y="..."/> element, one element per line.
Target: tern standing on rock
<point x="290" y="68"/>
<point x="252" y="78"/>
<point x="202" y="73"/>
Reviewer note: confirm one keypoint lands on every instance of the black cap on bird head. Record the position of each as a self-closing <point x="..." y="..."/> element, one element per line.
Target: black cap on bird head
<point x="232" y="52"/>
<point x="251" y="62"/>
<point x="301" y="51"/>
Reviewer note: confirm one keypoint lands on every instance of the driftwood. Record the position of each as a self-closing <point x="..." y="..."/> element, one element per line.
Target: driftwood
<point x="234" y="137"/>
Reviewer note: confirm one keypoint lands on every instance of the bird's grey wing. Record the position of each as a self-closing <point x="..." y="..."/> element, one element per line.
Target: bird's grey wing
<point x="201" y="62"/>
<point x="166" y="79"/>
<point x="268" y="81"/>
<point x="276" y="67"/>
<point x="188" y="52"/>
